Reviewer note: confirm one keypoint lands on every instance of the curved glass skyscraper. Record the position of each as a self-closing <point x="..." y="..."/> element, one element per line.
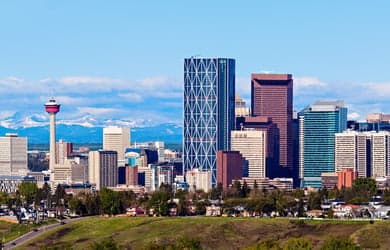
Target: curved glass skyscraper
<point x="209" y="90"/>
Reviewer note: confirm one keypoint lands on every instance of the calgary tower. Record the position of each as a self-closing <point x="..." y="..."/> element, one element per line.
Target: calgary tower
<point x="52" y="107"/>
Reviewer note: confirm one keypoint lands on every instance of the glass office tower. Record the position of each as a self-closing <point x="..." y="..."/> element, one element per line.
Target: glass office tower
<point x="209" y="90"/>
<point x="318" y="125"/>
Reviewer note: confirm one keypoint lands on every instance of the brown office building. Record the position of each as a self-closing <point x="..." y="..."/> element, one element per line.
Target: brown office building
<point x="229" y="167"/>
<point x="272" y="96"/>
<point x="131" y="173"/>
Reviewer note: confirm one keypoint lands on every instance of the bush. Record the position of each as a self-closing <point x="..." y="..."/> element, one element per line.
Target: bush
<point x="298" y="223"/>
<point x="106" y="244"/>
<point x="298" y="244"/>
<point x="339" y="244"/>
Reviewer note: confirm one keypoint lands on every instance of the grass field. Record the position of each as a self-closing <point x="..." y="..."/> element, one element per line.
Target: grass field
<point x="10" y="231"/>
<point x="212" y="233"/>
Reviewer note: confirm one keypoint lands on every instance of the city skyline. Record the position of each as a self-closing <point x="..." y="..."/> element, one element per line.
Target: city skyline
<point x="89" y="63"/>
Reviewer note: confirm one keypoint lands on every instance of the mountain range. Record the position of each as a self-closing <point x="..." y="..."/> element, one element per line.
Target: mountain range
<point x="87" y="129"/>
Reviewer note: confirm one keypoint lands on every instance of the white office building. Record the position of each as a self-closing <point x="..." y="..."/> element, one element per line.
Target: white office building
<point x="13" y="155"/>
<point x="252" y="146"/>
<point x="117" y="139"/>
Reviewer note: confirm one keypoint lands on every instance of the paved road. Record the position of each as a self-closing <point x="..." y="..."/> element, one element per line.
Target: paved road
<point x="32" y="234"/>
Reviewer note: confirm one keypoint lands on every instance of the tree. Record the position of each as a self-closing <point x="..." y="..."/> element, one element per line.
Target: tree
<point x="127" y="199"/>
<point x="92" y="204"/>
<point x="4" y="198"/>
<point x="76" y="205"/>
<point x="110" y="201"/>
<point x="314" y="201"/>
<point x="298" y="244"/>
<point x="28" y="191"/>
<point x="364" y="187"/>
<point x="46" y="194"/>
<point x="183" y="203"/>
<point x="386" y="198"/>
<point x="159" y="203"/>
<point x="59" y="196"/>
<point x="216" y="193"/>
<point x="244" y="190"/>
<point x="330" y="213"/>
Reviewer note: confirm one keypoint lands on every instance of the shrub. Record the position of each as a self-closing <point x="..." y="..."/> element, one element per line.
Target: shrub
<point x="298" y="244"/>
<point x="339" y="244"/>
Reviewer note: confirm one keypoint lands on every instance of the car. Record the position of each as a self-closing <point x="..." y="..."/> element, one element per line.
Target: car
<point x="62" y="222"/>
<point x="13" y="243"/>
<point x="35" y="229"/>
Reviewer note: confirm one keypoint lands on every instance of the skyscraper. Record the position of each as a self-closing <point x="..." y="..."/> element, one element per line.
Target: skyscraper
<point x="117" y="139"/>
<point x="63" y="151"/>
<point x="319" y="124"/>
<point x="272" y="96"/>
<point x="241" y="109"/>
<point x="103" y="168"/>
<point x="380" y="154"/>
<point x="209" y="90"/>
<point x="13" y="155"/>
<point x="352" y="152"/>
<point x="252" y="144"/>
<point x="229" y="167"/>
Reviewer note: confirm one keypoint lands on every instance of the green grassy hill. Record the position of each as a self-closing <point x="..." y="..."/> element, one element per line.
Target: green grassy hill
<point x="210" y="233"/>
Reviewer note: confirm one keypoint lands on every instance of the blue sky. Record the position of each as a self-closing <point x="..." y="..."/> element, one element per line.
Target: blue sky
<point x="124" y="59"/>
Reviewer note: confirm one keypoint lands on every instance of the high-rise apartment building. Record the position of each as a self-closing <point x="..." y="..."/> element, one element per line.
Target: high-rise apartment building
<point x="117" y="139"/>
<point x="318" y="125"/>
<point x="103" y="168"/>
<point x="380" y="154"/>
<point x="209" y="90"/>
<point x="272" y="96"/>
<point x="352" y="152"/>
<point x="241" y="110"/>
<point x="63" y="151"/>
<point x="13" y="155"/>
<point x="229" y="167"/>
<point x="199" y="180"/>
<point x="252" y="146"/>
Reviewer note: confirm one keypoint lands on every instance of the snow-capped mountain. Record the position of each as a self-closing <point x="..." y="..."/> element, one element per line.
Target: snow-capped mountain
<point x="87" y="129"/>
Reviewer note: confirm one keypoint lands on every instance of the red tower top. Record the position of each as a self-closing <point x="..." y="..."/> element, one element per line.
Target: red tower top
<point x="52" y="106"/>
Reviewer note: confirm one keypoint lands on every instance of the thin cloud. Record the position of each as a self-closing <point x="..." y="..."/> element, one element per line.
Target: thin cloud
<point x="308" y="82"/>
<point x="131" y="97"/>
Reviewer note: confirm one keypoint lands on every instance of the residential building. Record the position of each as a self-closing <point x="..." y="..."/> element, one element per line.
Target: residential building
<point x="272" y="96"/>
<point x="199" y="180"/>
<point x="117" y="139"/>
<point x="13" y="155"/>
<point x="252" y="146"/>
<point x="241" y="110"/>
<point x="63" y="151"/>
<point x="267" y="183"/>
<point x="380" y="154"/>
<point x="103" y="168"/>
<point x="229" y="167"/>
<point x="209" y="107"/>
<point x="352" y="151"/>
<point x="319" y="124"/>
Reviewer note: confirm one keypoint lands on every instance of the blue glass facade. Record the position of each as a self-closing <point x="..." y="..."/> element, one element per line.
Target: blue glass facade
<point x="209" y="91"/>
<point x="321" y="122"/>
